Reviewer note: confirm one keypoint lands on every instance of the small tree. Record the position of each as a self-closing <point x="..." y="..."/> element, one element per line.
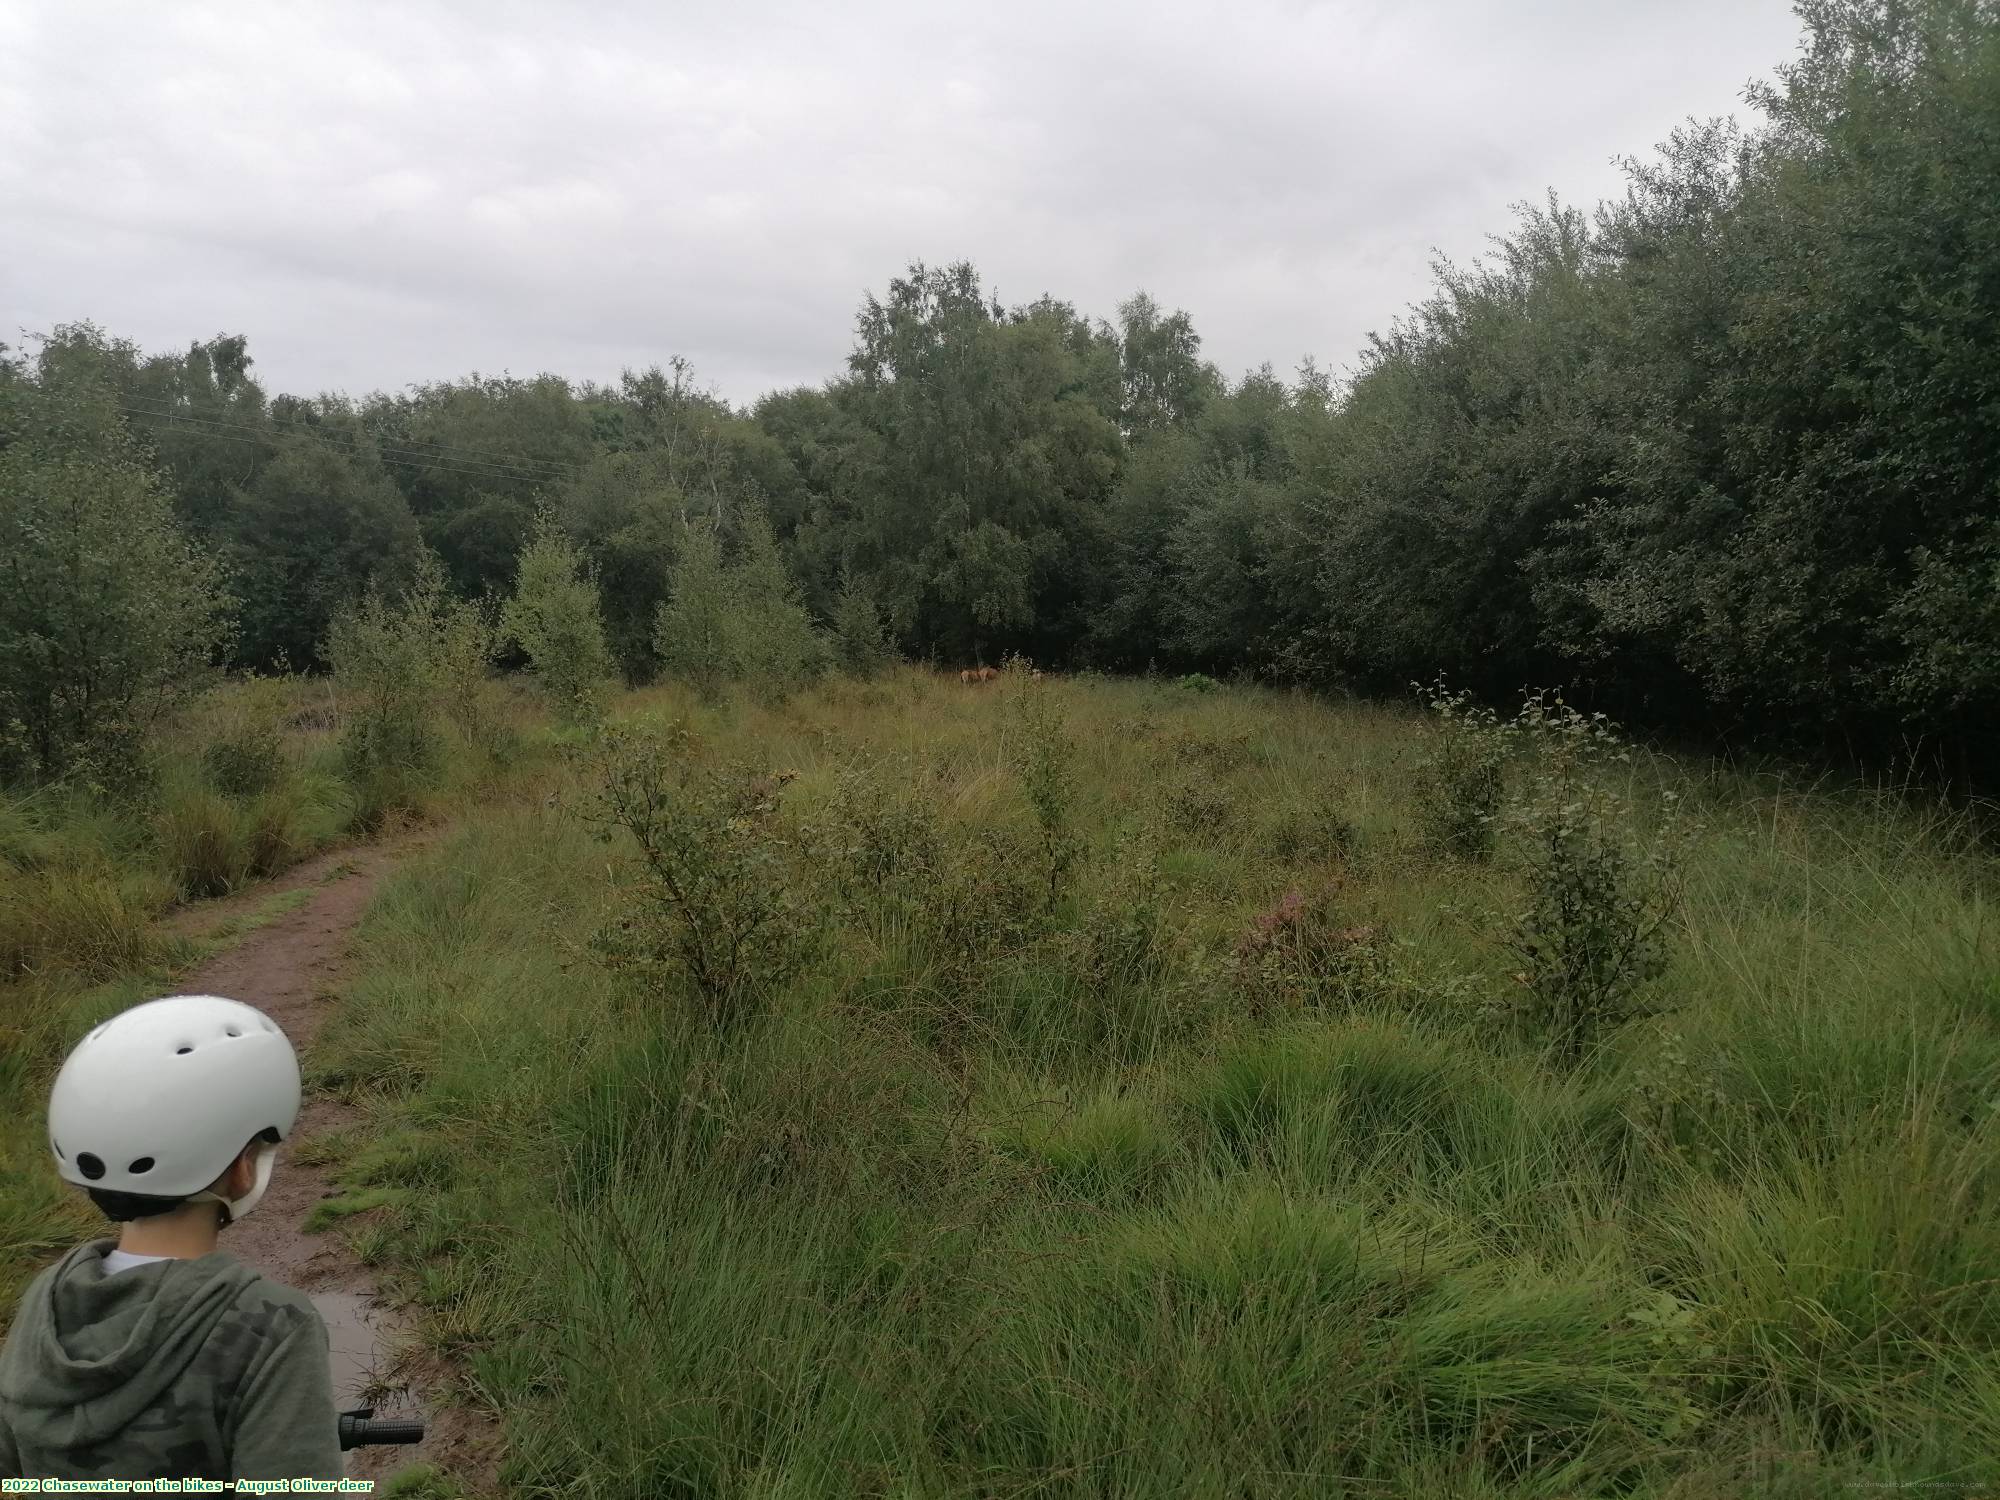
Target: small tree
<point x="692" y="633"/>
<point x="860" y="644"/>
<point x="740" y="622"/>
<point x="108" y="616"/>
<point x="554" y="616"/>
<point x="387" y="659"/>
<point x="468" y="641"/>
<point x="778" y="649"/>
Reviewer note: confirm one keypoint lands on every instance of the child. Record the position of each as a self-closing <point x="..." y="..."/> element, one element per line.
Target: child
<point x="162" y="1357"/>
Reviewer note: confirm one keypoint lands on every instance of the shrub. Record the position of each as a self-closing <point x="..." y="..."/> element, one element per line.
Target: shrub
<point x="1215" y="755"/>
<point x="273" y="833"/>
<point x="1461" y="780"/>
<point x="879" y="845"/>
<point x="1594" y="931"/>
<point x="555" y="618"/>
<point x="1315" y="832"/>
<point x="1197" y="682"/>
<point x="1125" y="937"/>
<point x="468" y="642"/>
<point x="984" y="901"/>
<point x="246" y="754"/>
<point x="387" y="663"/>
<point x="1304" y="951"/>
<point x="742" y="622"/>
<point x="1196" y="805"/>
<point x="712" y="914"/>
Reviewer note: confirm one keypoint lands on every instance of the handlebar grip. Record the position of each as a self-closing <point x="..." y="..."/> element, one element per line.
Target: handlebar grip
<point x="362" y="1427"/>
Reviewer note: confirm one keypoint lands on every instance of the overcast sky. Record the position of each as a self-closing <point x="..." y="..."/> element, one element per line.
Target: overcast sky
<point x="380" y="194"/>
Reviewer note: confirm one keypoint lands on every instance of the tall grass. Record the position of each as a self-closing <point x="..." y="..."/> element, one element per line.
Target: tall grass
<point x="984" y="1204"/>
<point x="248" y="784"/>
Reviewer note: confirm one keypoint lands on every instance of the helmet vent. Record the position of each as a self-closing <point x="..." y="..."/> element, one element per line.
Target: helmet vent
<point x="143" y="1165"/>
<point x="88" y="1163"/>
<point x="183" y="1050"/>
<point x="231" y="1031"/>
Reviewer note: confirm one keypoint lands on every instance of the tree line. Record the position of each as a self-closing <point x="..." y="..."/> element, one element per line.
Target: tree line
<point x="1720" y="454"/>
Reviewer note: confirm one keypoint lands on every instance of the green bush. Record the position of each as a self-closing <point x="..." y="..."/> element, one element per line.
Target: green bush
<point x="387" y="660"/>
<point x="469" y="642"/>
<point x="1600" y="896"/>
<point x="776" y="648"/>
<point x="556" y="619"/>
<point x="694" y="632"/>
<point x="740" y="621"/>
<point x="711" y="916"/>
<point x="1196" y="804"/>
<point x="1125" y="937"/>
<point x="247" y="764"/>
<point x="1317" y="832"/>
<point x="1462" y="778"/>
<point x="275" y="833"/>
<point x="1310" y="951"/>
<point x="244" y="723"/>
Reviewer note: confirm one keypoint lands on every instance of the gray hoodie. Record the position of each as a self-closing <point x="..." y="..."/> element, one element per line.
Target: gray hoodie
<point x="176" y="1369"/>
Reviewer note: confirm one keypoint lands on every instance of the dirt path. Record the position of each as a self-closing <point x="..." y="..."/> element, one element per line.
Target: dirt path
<point x="288" y="968"/>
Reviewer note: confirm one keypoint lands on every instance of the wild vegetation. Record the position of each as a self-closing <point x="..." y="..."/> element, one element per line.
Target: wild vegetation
<point x="909" y="1099"/>
<point x="821" y="1059"/>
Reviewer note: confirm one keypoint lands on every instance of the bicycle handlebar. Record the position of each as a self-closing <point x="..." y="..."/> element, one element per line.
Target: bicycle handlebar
<point x="361" y="1426"/>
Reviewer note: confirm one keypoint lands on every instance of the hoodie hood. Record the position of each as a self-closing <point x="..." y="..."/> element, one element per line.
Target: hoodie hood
<point x="90" y="1352"/>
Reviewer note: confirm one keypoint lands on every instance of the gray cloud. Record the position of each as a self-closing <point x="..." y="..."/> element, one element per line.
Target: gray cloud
<point x="379" y="194"/>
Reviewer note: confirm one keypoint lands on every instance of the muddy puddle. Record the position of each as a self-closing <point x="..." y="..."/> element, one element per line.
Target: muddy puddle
<point x="361" y="1354"/>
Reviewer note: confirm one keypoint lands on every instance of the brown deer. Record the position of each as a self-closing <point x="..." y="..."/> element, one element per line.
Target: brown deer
<point x="987" y="674"/>
<point x="968" y="676"/>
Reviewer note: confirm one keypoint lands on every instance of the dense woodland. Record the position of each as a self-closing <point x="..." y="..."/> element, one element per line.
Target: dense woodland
<point x="1722" y="455"/>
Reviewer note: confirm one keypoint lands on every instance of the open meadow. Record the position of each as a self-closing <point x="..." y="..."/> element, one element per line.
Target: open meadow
<point x="1104" y="1087"/>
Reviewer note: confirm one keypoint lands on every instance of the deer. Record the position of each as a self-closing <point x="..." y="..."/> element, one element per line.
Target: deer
<point x="987" y="674"/>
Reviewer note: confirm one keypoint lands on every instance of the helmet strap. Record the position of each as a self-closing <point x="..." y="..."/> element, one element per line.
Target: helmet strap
<point x="235" y="1208"/>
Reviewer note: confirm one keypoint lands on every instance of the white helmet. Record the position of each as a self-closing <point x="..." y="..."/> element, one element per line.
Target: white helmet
<point x="161" y="1098"/>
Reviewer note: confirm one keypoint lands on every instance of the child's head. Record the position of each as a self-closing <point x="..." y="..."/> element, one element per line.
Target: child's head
<point x="175" y="1101"/>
